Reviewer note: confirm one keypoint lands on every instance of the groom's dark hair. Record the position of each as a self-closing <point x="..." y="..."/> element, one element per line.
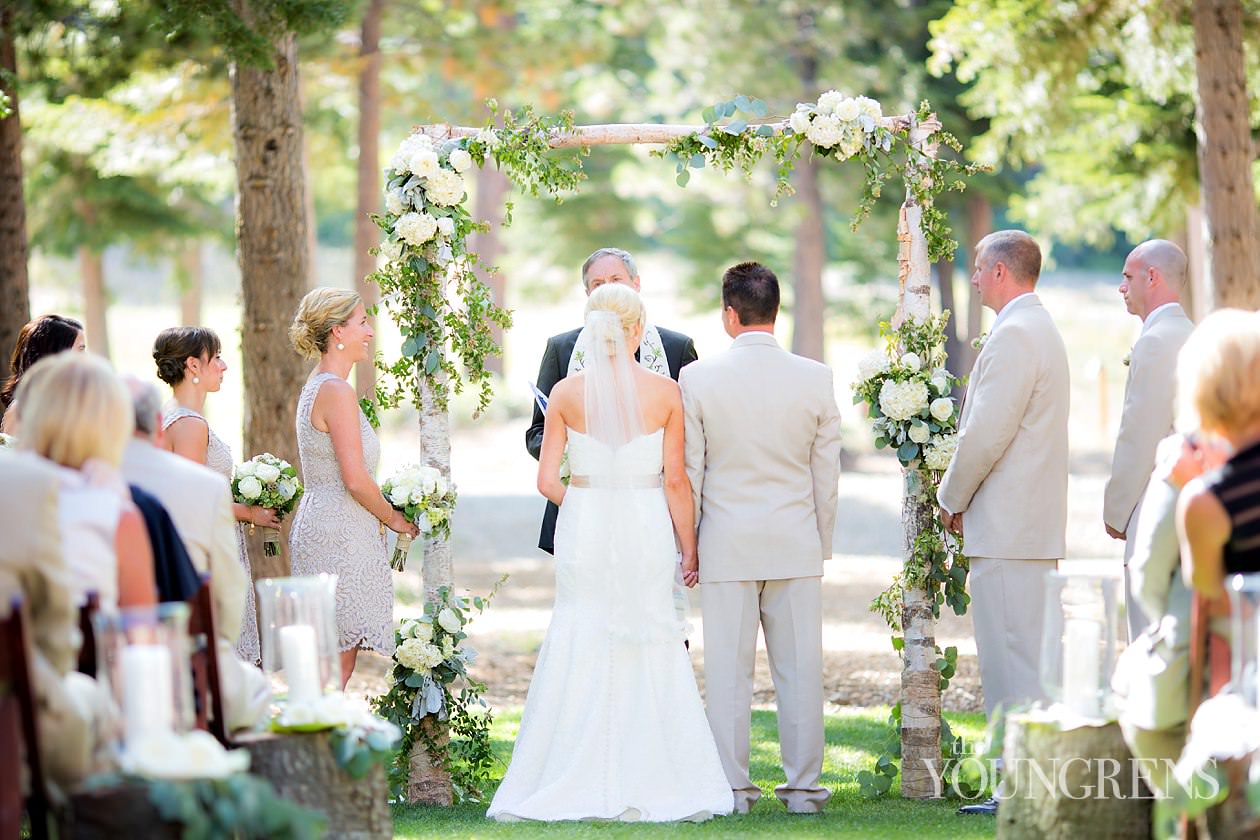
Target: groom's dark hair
<point x="752" y="291"/>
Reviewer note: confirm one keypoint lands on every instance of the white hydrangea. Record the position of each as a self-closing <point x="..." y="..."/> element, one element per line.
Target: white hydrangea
<point x="828" y="102"/>
<point x="415" y="228"/>
<point x="902" y="400"/>
<point x="419" y="655"/>
<point x="445" y="188"/>
<point x="424" y="163"/>
<point x="391" y="250"/>
<point x="799" y="121"/>
<point x="446" y="226"/>
<point x="872" y="365"/>
<point x="847" y="110"/>
<point x="394" y="204"/>
<point x="825" y="131"/>
<point x="249" y="487"/>
<point x="938" y="455"/>
<point x="911" y="362"/>
<point x="942" y="408"/>
<point x="449" y="620"/>
<point x="460" y="160"/>
<point x="919" y="433"/>
<point x="407" y="149"/>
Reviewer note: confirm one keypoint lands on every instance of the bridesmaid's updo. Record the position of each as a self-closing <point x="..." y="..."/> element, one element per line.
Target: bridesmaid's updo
<point x="175" y="345"/>
<point x="622" y="301"/>
<point x="317" y="314"/>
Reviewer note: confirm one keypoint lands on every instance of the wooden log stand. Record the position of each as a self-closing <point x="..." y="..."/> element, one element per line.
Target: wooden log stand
<point x="109" y="813"/>
<point x="302" y="769"/>
<point x="1070" y="783"/>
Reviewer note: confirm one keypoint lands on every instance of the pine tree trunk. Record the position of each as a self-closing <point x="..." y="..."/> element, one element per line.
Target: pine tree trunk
<point x="1226" y="152"/>
<point x="95" y="300"/>
<point x="14" y="282"/>
<point x="366" y="233"/>
<point x="811" y="246"/>
<point x="272" y="243"/>
<point x="191" y="279"/>
<point x="1197" y="299"/>
<point x="308" y="199"/>
<point x="492" y="189"/>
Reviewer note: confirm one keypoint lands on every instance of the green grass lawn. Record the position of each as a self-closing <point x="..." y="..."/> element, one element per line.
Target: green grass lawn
<point x="854" y="738"/>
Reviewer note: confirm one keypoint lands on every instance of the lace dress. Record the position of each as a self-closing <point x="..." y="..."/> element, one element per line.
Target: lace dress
<point x="219" y="458"/>
<point x="613" y="727"/>
<point x="333" y="533"/>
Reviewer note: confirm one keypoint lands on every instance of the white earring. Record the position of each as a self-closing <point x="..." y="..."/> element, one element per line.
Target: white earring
<point x="196" y="380"/>
<point x="340" y="346"/>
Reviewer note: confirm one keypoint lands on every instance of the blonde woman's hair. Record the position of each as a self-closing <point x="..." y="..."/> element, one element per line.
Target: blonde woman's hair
<point x="317" y="314"/>
<point x="1218" y="372"/>
<point x="72" y="407"/>
<point x="622" y="301"/>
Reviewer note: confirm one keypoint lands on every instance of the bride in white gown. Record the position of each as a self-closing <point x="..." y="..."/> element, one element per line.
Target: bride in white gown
<point x="613" y="726"/>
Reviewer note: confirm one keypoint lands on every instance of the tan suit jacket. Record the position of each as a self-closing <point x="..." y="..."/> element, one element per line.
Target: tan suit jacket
<point x="1009" y="476"/>
<point x="74" y="712"/>
<point x="1149" y="409"/>
<point x="763" y="456"/>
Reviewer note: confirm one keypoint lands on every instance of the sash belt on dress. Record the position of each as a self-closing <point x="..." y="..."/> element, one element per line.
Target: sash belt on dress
<point x="629" y="481"/>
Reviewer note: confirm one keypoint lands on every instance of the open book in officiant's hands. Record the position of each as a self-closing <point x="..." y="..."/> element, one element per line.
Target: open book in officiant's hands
<point x="539" y="397"/>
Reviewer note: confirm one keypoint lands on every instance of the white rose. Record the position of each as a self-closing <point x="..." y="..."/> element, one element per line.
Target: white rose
<point x="429" y="478"/>
<point x="828" y="101"/>
<point x="391" y="250"/>
<point x="912" y="362"/>
<point x="249" y="487"/>
<point x="460" y="160"/>
<point x="423" y="631"/>
<point x="416" y="228"/>
<point x="902" y="400"/>
<point x="872" y="365"/>
<point x="399" y="495"/>
<point x="446" y="226"/>
<point x="870" y="108"/>
<point x="445" y="188"/>
<point x="245" y="469"/>
<point x="394" y="204"/>
<point x="267" y="473"/>
<point x="824" y="131"/>
<point x="847" y="110"/>
<point x="919" y="433"/>
<point x="424" y="163"/>
<point x="942" y="408"/>
<point x="799" y="121"/>
<point x="940" y="381"/>
<point x="449" y="621"/>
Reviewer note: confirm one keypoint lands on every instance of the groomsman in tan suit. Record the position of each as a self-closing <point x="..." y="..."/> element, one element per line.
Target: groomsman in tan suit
<point x="1008" y="481"/>
<point x="1154" y="274"/>
<point x="763" y="456"/>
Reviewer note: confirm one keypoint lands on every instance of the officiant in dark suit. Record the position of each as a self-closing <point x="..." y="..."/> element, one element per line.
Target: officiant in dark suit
<point x="664" y="351"/>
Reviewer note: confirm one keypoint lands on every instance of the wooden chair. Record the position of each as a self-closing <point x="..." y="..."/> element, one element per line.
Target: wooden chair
<point x="87" y="652"/>
<point x="205" y="663"/>
<point x="18" y="730"/>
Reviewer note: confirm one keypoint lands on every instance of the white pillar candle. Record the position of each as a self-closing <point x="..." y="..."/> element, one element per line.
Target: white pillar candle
<point x="1082" y="639"/>
<point x="148" y="698"/>
<point x="299" y="657"/>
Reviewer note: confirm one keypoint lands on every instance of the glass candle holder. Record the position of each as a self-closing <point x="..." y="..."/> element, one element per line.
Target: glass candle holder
<point x="1081" y="641"/>
<point x="143" y="655"/>
<point x="1244" y="645"/>
<point x="297" y="629"/>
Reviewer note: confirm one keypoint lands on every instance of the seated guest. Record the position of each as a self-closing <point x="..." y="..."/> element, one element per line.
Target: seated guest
<point x="1218" y="514"/>
<point x="44" y="336"/>
<point x="76" y="413"/>
<point x="74" y="711"/>
<point x="173" y="571"/>
<point x="199" y="502"/>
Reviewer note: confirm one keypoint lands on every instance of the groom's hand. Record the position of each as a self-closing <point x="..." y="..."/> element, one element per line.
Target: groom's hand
<point x="953" y="522"/>
<point x="691" y="570"/>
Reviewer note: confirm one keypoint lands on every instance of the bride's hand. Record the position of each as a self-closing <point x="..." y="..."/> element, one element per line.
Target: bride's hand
<point x="691" y="570"/>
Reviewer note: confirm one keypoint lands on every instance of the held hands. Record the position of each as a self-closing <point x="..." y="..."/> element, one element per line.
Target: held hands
<point x="690" y="569"/>
<point x="953" y="522"/>
<point x="399" y="524"/>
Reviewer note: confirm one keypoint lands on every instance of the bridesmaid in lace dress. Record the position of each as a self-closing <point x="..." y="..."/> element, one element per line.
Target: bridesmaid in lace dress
<point x="340" y="523"/>
<point x="188" y="360"/>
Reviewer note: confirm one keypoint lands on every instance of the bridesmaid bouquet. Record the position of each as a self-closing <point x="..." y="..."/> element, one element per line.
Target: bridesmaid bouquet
<point x="269" y="482"/>
<point x="7" y="441"/>
<point x="425" y="499"/>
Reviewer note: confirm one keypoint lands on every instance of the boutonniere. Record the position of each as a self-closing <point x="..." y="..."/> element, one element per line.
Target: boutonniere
<point x="979" y="341"/>
<point x="1128" y="357"/>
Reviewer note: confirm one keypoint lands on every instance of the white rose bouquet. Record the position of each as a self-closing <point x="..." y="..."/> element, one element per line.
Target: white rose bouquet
<point x="268" y="482"/>
<point x="7" y="441"/>
<point x="908" y="393"/>
<point x="425" y="498"/>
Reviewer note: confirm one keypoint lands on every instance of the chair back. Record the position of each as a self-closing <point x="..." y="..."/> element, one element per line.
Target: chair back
<point x="205" y="663"/>
<point x="19" y="735"/>
<point x="87" y="651"/>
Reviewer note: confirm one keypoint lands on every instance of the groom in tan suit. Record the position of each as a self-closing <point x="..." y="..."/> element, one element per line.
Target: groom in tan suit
<point x="1154" y="274"/>
<point x="763" y="456"/>
<point x="1007" y="484"/>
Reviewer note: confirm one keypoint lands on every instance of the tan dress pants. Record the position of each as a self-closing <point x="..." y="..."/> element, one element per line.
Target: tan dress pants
<point x="1008" y="599"/>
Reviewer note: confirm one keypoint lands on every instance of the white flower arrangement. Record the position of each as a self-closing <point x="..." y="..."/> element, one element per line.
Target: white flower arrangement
<point x="426" y="499"/>
<point x="7" y="441"/>
<point x="939" y="454"/>
<point x="181" y="756"/>
<point x="269" y="482"/>
<point x="841" y="126"/>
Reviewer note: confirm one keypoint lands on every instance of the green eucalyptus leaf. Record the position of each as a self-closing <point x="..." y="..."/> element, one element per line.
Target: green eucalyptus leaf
<point x="697" y="161"/>
<point x="683" y="178"/>
<point x="764" y="130"/>
<point x="757" y="108"/>
<point x="709" y="114"/>
<point x="735" y="126"/>
<point x="742" y="102"/>
<point x="707" y="141"/>
<point x="435" y="359"/>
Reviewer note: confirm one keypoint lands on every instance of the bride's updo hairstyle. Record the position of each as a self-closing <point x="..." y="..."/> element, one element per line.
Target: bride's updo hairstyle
<point x="317" y="314"/>
<point x="623" y="303"/>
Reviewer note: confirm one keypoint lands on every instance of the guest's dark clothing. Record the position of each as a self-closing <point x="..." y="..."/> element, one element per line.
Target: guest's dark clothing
<point x="1237" y="485"/>
<point x="173" y="571"/>
<point x="680" y="351"/>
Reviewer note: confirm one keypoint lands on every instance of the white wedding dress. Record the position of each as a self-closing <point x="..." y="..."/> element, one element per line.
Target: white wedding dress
<point x="613" y="727"/>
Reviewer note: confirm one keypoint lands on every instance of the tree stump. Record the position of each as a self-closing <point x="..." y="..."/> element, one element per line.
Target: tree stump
<point x="303" y="770"/>
<point x="428" y="783"/>
<point x="1070" y="783"/>
<point x="1234" y="818"/>
<point x="109" y="813"/>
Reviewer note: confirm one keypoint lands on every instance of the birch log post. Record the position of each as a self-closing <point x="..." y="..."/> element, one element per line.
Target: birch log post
<point x="920" y="681"/>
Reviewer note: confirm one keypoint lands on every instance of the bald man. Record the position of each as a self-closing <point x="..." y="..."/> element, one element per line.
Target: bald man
<point x="1154" y="275"/>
